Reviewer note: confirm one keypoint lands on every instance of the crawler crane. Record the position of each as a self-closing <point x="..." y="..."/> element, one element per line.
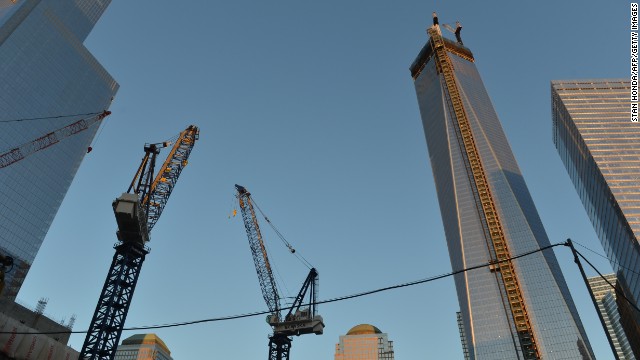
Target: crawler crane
<point x="297" y="321"/>
<point x="136" y="211"/>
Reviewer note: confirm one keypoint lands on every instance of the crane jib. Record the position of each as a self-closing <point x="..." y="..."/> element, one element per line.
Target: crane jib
<point x="42" y="142"/>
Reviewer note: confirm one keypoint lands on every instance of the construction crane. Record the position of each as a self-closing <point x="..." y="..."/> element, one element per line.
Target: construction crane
<point x="18" y="153"/>
<point x="475" y="168"/>
<point x="298" y="320"/>
<point x="136" y="212"/>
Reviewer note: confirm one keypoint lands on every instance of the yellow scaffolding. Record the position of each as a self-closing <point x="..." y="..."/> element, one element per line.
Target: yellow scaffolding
<point x="502" y="263"/>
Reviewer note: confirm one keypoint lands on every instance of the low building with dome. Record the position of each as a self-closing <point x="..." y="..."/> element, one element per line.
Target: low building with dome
<point x="364" y="342"/>
<point x="143" y="347"/>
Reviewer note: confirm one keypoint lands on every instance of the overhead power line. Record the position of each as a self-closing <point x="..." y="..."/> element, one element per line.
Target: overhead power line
<point x="617" y="291"/>
<point x="604" y="257"/>
<point x="341" y="298"/>
<point x="346" y="297"/>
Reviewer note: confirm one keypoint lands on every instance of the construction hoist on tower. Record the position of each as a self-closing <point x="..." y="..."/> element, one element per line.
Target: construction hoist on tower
<point x="501" y="264"/>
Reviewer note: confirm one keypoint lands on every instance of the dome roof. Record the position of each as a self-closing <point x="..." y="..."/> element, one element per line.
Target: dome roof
<point x="363" y="329"/>
<point x="147" y="339"/>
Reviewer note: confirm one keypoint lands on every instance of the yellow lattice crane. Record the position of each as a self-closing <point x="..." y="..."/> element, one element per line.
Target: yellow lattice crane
<point x="136" y="212"/>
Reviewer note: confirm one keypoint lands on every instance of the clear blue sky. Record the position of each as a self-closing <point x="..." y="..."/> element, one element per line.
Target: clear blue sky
<point x="311" y="106"/>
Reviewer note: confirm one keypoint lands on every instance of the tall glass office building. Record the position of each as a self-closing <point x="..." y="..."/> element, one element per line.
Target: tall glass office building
<point x="516" y="309"/>
<point x="45" y="71"/>
<point x="600" y="147"/>
<point x="605" y="296"/>
<point x="364" y="342"/>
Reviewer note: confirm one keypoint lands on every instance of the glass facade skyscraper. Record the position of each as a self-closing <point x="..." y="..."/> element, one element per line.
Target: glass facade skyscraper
<point x="45" y="71"/>
<point x="364" y="342"/>
<point x="516" y="309"/>
<point x="605" y="296"/>
<point x="600" y="147"/>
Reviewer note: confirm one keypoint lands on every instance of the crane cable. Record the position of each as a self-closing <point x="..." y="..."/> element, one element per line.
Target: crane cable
<point x="95" y="139"/>
<point x="50" y="117"/>
<point x="604" y="257"/>
<point x="617" y="291"/>
<point x="288" y="245"/>
<point x="281" y="283"/>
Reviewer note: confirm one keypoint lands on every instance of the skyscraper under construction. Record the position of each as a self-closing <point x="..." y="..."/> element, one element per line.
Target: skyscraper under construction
<point x="512" y="309"/>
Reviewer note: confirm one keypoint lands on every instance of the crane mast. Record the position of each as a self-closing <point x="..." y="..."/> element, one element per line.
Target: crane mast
<point x="298" y="320"/>
<point x="136" y="213"/>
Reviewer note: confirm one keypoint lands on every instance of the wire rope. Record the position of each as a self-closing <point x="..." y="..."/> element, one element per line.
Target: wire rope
<point x="282" y="238"/>
<point x="49" y="117"/>
<point x="617" y="291"/>
<point x="603" y="256"/>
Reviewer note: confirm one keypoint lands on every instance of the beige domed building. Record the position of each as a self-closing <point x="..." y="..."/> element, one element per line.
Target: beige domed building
<point x="364" y="342"/>
<point x="143" y="347"/>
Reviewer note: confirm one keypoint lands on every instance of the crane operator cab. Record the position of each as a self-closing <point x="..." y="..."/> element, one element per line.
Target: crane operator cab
<point x="131" y="219"/>
<point x="299" y="323"/>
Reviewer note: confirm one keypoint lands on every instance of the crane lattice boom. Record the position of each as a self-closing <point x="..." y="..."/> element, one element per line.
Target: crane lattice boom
<point x="16" y="154"/>
<point x="168" y="174"/>
<point x="259" y="252"/>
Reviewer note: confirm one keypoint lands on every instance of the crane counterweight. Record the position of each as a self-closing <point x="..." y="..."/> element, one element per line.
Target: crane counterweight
<point x="131" y="220"/>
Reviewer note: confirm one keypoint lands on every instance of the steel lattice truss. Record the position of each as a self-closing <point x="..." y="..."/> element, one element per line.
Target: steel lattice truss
<point x="14" y="155"/>
<point x="279" y="346"/>
<point x="108" y="320"/>
<point x="168" y="175"/>
<point x="259" y="252"/>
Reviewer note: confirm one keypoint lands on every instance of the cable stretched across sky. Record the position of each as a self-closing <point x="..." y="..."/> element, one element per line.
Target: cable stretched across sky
<point x="49" y="117"/>
<point x="604" y="257"/>
<point x="336" y="299"/>
<point x="345" y="297"/>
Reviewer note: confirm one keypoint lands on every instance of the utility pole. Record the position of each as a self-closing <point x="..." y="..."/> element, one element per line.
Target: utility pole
<point x="576" y="259"/>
